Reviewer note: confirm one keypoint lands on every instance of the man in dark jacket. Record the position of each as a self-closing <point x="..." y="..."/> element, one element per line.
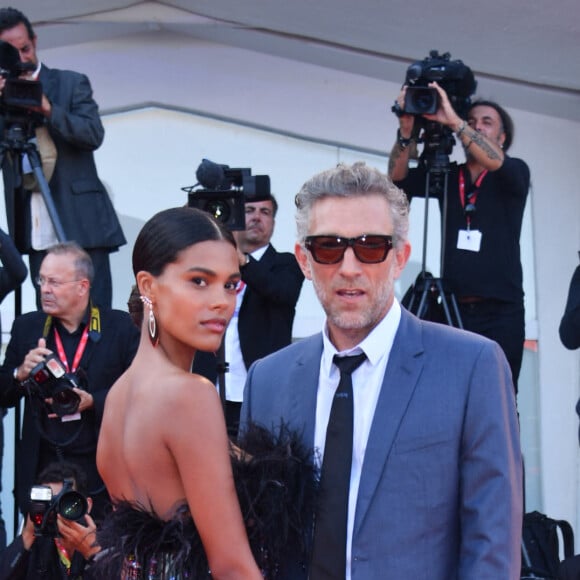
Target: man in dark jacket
<point x="68" y="121"/>
<point x="267" y="297"/>
<point x="93" y="345"/>
<point x="570" y="324"/>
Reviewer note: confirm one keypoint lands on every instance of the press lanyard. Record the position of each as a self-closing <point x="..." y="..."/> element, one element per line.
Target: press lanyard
<point x="473" y="196"/>
<point x="78" y="354"/>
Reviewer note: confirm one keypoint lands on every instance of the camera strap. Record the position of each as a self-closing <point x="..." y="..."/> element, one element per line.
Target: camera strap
<point x="473" y="195"/>
<point x="78" y="354"/>
<point x="92" y="329"/>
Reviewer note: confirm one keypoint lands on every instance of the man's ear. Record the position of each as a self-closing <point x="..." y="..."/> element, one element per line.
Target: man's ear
<point x="84" y="286"/>
<point x="302" y="259"/>
<point x="402" y="255"/>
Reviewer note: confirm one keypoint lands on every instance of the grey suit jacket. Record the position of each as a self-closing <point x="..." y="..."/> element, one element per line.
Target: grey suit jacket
<point x="440" y="496"/>
<point x="80" y="198"/>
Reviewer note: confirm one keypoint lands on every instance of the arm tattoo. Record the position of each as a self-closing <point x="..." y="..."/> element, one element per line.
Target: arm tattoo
<point x="480" y="141"/>
<point x="394" y="157"/>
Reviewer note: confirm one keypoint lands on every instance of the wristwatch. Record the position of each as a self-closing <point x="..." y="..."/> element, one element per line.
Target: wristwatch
<point x="402" y="141"/>
<point x="15" y="374"/>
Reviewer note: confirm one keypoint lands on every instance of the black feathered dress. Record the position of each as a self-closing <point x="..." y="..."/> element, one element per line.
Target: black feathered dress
<point x="276" y="481"/>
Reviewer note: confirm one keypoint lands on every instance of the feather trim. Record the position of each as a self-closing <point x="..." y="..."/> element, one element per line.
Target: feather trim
<point x="276" y="482"/>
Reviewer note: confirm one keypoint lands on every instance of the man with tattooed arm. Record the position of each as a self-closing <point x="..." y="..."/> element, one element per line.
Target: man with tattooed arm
<point x="484" y="209"/>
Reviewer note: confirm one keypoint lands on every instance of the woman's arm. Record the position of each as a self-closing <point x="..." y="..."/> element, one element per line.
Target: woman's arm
<point x="197" y="439"/>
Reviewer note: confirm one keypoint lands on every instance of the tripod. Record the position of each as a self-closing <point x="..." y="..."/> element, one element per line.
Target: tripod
<point x="17" y="141"/>
<point x="427" y="296"/>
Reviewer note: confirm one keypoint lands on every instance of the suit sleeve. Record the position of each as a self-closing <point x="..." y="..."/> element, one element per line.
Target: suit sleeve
<point x="491" y="486"/>
<point x="570" y="324"/>
<point x="14" y="271"/>
<point x="280" y="283"/>
<point x="10" y="391"/>
<point x="78" y="123"/>
<point x="14" y="561"/>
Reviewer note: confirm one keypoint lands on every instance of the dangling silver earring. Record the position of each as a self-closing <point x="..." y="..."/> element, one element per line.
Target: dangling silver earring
<point x="152" y="323"/>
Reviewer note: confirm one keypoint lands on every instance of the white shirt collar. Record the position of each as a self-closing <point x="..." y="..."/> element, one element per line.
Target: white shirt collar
<point x="257" y="254"/>
<point x="378" y="341"/>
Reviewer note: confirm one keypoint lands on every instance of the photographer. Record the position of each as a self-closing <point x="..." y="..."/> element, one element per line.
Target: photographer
<point x="69" y="117"/>
<point x="265" y="309"/>
<point x="12" y="273"/>
<point x="53" y="551"/>
<point x="485" y="203"/>
<point x="95" y="346"/>
<point x="570" y="324"/>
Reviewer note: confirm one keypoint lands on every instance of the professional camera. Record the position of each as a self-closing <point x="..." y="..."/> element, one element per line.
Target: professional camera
<point x="44" y="507"/>
<point x="17" y="93"/>
<point x="225" y="191"/>
<point x="49" y="380"/>
<point x="452" y="75"/>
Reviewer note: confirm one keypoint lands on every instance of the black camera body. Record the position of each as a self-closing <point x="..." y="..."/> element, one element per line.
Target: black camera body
<point x="44" y="507"/>
<point x="452" y="75"/>
<point x="225" y="191"/>
<point x="18" y="93"/>
<point x="49" y="380"/>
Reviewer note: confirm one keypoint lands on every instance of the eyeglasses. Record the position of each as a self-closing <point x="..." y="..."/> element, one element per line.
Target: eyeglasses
<point x="368" y="249"/>
<point x="51" y="282"/>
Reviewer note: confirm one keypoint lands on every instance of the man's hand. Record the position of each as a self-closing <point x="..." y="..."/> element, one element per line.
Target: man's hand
<point x="34" y="356"/>
<point x="81" y="538"/>
<point x="86" y="402"/>
<point x="406" y="121"/>
<point x="28" y="536"/>
<point x="445" y="114"/>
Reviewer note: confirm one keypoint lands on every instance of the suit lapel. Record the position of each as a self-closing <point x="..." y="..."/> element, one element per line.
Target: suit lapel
<point x="303" y="376"/>
<point x="49" y="82"/>
<point x="401" y="376"/>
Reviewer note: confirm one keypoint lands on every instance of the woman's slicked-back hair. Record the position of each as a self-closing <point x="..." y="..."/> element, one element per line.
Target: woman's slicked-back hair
<point x="171" y="231"/>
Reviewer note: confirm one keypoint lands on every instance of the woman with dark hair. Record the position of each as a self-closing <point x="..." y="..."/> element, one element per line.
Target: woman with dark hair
<point x="163" y="450"/>
<point x="163" y="442"/>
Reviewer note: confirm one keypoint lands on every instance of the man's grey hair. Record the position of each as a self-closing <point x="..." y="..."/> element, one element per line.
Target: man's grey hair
<point x="83" y="264"/>
<point x="357" y="180"/>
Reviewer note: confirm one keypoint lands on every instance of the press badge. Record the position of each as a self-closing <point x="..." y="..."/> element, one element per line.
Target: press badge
<point x="469" y="240"/>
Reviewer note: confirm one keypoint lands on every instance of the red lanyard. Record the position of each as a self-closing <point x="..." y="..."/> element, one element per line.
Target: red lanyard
<point x="78" y="354"/>
<point x="473" y="196"/>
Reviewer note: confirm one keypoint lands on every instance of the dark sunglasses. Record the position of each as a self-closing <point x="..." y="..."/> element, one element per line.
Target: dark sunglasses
<point x="368" y="249"/>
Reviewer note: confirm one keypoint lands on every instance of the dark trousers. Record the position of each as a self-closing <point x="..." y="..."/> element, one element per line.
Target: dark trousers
<point x="102" y="286"/>
<point x="503" y="322"/>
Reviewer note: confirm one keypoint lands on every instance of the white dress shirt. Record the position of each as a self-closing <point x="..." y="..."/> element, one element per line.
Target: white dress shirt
<point x="237" y="372"/>
<point x="367" y="381"/>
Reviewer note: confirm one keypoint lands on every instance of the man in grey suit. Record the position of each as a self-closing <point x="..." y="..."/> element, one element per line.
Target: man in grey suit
<point x="436" y="473"/>
<point x="68" y="122"/>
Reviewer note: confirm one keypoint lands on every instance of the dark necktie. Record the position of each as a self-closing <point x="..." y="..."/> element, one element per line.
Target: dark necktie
<point x="329" y="547"/>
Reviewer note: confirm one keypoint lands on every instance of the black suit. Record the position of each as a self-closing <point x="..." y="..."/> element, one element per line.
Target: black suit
<point x="570" y="324"/>
<point x="267" y="311"/>
<point x="81" y="201"/>
<point x="106" y="356"/>
<point x="12" y="274"/>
